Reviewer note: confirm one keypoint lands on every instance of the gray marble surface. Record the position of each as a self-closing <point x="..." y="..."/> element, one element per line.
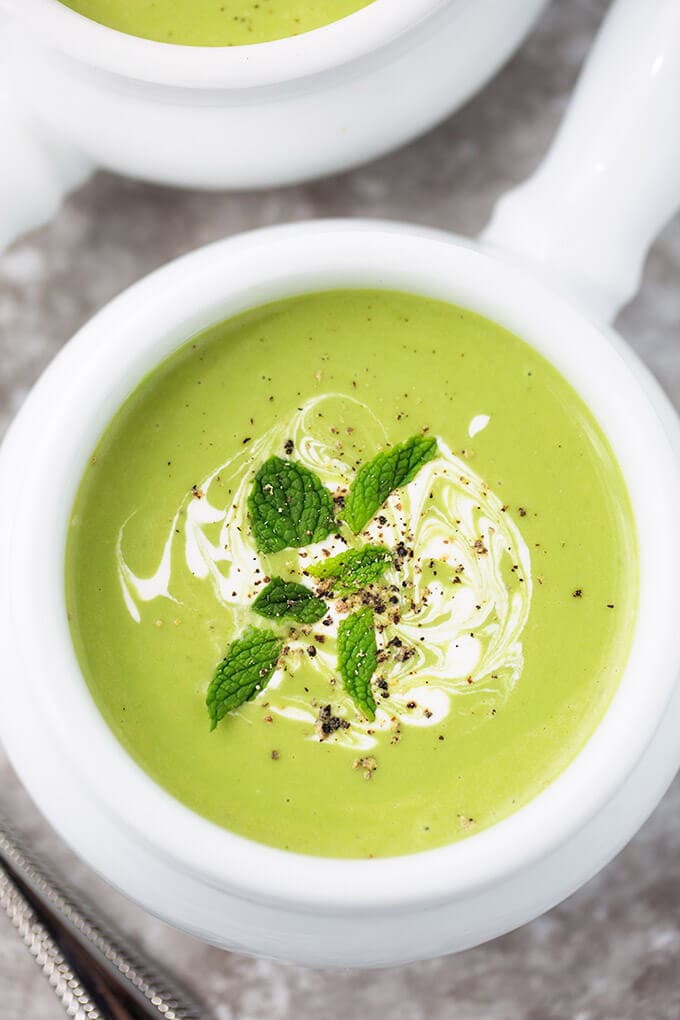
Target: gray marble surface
<point x="612" y="952"/>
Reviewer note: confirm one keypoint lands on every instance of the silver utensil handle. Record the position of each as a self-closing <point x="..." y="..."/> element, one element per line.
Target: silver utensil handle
<point x="75" y="999"/>
<point x="99" y="947"/>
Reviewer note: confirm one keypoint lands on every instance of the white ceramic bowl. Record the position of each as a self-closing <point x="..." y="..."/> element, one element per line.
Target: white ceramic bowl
<point x="239" y="117"/>
<point x="316" y="911"/>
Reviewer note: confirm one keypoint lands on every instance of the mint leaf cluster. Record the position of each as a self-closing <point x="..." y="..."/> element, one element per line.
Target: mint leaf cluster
<point x="290" y="508"/>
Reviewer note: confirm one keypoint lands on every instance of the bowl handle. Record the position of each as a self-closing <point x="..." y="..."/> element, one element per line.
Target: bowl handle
<point x="611" y="179"/>
<point x="37" y="170"/>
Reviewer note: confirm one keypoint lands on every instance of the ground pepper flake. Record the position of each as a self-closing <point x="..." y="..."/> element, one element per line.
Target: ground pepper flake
<point x="327" y="723"/>
<point x="369" y="765"/>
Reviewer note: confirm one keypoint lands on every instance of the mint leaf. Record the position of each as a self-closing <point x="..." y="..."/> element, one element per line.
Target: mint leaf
<point x="245" y="670"/>
<point x="287" y="599"/>
<point x="381" y="476"/>
<point x="354" y="569"/>
<point x="289" y="507"/>
<point x="358" y="658"/>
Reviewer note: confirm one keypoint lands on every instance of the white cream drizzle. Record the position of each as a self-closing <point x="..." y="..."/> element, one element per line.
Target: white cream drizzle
<point x="465" y="634"/>
<point x="479" y="422"/>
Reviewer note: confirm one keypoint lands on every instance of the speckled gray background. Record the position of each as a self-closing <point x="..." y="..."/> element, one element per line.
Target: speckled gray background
<point x="612" y="952"/>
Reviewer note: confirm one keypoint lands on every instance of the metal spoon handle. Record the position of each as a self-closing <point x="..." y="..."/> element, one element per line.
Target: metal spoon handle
<point x="137" y="978"/>
<point x="75" y="999"/>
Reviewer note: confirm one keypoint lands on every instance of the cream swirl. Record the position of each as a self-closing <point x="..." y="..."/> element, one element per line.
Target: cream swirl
<point x="465" y="581"/>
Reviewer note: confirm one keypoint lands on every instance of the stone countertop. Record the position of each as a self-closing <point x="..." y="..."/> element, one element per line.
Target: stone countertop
<point x="611" y="952"/>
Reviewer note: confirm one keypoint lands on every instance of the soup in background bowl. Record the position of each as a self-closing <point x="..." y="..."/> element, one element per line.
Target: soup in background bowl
<point x="215" y="22"/>
<point x="346" y="83"/>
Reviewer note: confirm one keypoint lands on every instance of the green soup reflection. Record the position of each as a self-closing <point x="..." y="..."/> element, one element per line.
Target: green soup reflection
<point x="215" y="22"/>
<point x="502" y="615"/>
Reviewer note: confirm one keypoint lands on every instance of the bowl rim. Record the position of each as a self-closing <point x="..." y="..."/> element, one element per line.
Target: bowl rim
<point x="225" y="67"/>
<point x="87" y="382"/>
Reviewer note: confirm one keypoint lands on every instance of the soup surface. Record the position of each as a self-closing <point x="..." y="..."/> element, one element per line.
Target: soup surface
<point x="215" y="22"/>
<point x="439" y="674"/>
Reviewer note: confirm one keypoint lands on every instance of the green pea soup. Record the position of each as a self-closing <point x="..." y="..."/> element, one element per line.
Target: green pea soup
<point x="215" y="22"/>
<point x="495" y="628"/>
